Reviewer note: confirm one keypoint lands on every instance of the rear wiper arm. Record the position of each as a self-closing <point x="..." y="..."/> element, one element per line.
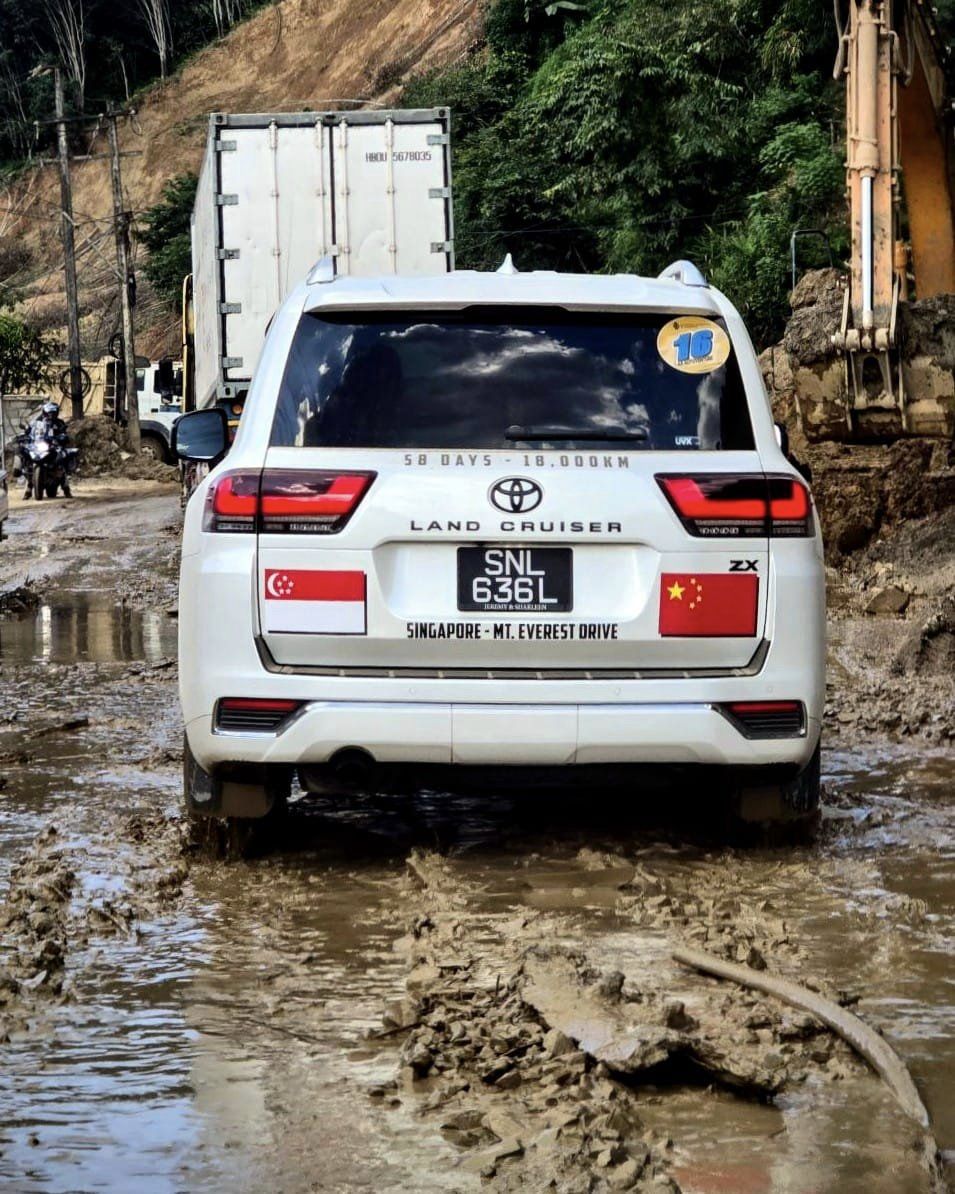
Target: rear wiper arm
<point x="516" y="432"/>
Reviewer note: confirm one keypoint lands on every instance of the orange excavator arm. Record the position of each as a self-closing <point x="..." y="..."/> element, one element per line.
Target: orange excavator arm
<point x="899" y="147"/>
<point x="927" y="158"/>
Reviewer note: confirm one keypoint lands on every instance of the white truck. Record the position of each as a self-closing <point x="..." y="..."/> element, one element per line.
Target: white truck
<point x="369" y="192"/>
<point x="159" y="393"/>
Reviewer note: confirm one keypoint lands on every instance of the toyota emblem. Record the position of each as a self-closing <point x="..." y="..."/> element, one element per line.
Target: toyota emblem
<point x="515" y="495"/>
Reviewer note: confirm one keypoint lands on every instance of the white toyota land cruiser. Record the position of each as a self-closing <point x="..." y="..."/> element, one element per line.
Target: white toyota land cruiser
<point x="538" y="523"/>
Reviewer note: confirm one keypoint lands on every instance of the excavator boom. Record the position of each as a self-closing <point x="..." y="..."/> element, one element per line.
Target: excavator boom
<point x="928" y="161"/>
<point x="899" y="160"/>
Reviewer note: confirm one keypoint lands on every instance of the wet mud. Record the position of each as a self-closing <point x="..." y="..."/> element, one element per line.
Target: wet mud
<point x="441" y="992"/>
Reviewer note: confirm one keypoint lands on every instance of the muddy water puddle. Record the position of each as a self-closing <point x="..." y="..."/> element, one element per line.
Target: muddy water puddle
<point x="222" y="1048"/>
<point x="222" y="1043"/>
<point x="83" y="627"/>
<point x="226" y="1042"/>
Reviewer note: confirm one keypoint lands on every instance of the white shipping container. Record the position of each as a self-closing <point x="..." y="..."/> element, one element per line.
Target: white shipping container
<point x="371" y="191"/>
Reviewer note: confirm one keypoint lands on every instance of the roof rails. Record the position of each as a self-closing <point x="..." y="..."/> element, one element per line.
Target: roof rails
<point x="684" y="272"/>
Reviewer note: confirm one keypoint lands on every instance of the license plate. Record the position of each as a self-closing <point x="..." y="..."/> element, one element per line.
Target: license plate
<point x="516" y="579"/>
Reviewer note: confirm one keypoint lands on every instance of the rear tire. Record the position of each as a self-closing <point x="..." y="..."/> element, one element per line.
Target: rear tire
<point x="51" y="489"/>
<point x="223" y="835"/>
<point x="152" y="447"/>
<point x="781" y="814"/>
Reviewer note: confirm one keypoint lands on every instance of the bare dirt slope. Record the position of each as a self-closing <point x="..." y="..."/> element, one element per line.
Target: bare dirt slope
<point x="292" y="55"/>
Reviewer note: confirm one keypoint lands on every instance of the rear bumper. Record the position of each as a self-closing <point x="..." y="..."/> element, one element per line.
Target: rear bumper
<point x="453" y="719"/>
<point x="669" y="732"/>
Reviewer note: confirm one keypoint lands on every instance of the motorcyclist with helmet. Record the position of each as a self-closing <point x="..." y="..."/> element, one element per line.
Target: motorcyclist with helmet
<point x="49" y="426"/>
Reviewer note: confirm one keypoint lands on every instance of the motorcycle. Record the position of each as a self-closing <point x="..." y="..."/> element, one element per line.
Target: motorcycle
<point x="47" y="463"/>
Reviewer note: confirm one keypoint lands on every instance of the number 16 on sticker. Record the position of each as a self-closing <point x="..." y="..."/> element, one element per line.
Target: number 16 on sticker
<point x="692" y="344"/>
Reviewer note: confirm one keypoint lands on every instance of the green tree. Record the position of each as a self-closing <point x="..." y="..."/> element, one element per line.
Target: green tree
<point x="165" y="233"/>
<point x="25" y="356"/>
<point x="626" y="133"/>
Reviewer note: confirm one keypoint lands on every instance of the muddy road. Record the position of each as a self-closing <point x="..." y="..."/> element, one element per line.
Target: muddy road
<point x="435" y="993"/>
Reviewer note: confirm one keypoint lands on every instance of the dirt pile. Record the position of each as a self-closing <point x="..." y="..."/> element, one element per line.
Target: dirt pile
<point x="104" y="453"/>
<point x="102" y="445"/>
<point x="806" y="373"/>
<point x="862" y="490"/>
<point x="817" y="313"/>
<point x="927" y="329"/>
<point x="144" y="468"/>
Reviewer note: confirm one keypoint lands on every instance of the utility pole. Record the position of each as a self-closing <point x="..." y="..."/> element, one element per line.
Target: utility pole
<point x="69" y="252"/>
<point x="121" y="229"/>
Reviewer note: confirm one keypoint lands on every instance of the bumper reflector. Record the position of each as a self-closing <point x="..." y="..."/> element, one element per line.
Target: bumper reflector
<point x="253" y="715"/>
<point x="767" y="719"/>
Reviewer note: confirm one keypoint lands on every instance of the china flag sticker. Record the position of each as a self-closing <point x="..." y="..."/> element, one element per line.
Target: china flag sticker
<point x="708" y="604"/>
<point x="305" y="601"/>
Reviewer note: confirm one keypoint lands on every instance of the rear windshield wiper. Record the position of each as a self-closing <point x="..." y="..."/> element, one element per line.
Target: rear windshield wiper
<point x="516" y="432"/>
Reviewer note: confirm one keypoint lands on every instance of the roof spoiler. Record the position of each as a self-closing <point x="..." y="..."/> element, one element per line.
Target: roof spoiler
<point x="684" y="272"/>
<point x="321" y="271"/>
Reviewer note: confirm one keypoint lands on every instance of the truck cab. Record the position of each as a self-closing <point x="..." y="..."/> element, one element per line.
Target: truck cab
<point x="159" y="397"/>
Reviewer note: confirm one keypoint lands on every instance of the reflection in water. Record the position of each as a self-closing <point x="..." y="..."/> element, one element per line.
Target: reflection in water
<point x="77" y="628"/>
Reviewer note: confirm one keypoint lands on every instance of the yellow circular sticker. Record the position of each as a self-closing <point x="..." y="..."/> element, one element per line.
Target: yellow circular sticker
<point x="693" y="344"/>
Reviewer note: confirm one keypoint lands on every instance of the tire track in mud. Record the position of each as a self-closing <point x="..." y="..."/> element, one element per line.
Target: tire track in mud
<point x="65" y="893"/>
<point x="540" y="1066"/>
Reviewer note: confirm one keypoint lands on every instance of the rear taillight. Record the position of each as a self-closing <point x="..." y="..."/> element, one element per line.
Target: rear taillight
<point x="284" y="502"/>
<point x="253" y="715"/>
<point x="232" y="503"/>
<point x="790" y="507"/>
<point x="767" y="719"/>
<point x="310" y="503"/>
<point x="734" y="506"/>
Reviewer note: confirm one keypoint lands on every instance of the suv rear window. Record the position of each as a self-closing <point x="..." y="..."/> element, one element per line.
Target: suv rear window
<point x="491" y="377"/>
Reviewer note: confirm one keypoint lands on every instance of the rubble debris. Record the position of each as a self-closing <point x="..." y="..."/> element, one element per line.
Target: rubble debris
<point x="931" y="649"/>
<point x="19" y="602"/>
<point x="102" y="445"/>
<point x="104" y="452"/>
<point x="890" y="600"/>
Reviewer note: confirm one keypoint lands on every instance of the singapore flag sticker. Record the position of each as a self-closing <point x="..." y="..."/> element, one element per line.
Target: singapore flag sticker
<point x="306" y="601"/>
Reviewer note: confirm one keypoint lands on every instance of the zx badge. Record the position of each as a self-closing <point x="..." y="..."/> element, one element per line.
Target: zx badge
<point x="743" y="565"/>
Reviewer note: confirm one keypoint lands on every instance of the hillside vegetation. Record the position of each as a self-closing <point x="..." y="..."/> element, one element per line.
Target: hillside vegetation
<point x="619" y="134"/>
<point x="587" y="134"/>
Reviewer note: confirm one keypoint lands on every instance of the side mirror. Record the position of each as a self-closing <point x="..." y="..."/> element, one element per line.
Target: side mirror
<point x="201" y="435"/>
<point x="782" y="438"/>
